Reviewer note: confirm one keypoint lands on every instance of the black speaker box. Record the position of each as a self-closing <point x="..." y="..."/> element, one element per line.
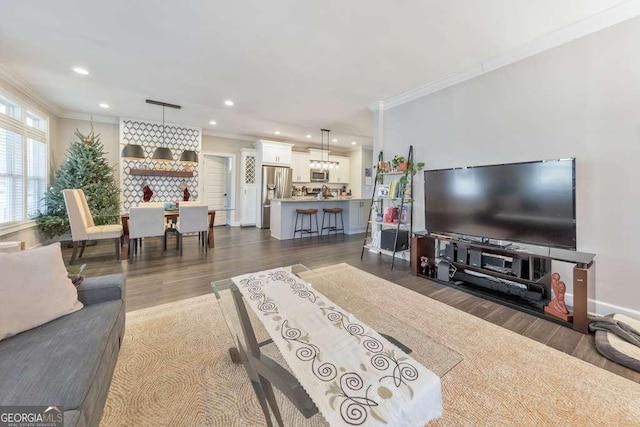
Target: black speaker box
<point x="450" y="252"/>
<point x="387" y="238"/>
<point x="496" y="260"/>
<point x="461" y="255"/>
<point x="475" y="257"/>
<point x="443" y="271"/>
<point x="516" y="267"/>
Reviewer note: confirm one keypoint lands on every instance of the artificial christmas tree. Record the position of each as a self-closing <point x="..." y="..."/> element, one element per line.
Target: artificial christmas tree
<point x="86" y="168"/>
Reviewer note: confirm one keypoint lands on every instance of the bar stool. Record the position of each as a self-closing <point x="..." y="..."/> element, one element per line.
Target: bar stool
<point x="332" y="228"/>
<point x="309" y="231"/>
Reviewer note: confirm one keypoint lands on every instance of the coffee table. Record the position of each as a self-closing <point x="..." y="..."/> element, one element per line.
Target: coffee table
<point x="250" y="337"/>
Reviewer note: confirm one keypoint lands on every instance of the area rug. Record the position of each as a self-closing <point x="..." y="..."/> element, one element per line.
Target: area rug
<point x="174" y="367"/>
<point x="504" y="378"/>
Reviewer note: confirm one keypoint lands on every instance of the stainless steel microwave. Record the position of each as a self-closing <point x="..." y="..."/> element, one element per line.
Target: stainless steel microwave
<point x="319" y="175"/>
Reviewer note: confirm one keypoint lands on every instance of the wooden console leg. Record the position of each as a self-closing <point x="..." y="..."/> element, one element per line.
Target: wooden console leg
<point x="421" y="246"/>
<point x="581" y="278"/>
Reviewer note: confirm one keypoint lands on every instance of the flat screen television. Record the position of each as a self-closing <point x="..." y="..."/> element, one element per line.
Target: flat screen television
<point x="531" y="202"/>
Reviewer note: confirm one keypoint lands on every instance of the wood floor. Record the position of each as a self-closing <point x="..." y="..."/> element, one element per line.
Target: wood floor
<point x="154" y="278"/>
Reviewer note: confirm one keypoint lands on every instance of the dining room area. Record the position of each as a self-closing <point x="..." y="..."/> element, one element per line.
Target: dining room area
<point x="151" y="201"/>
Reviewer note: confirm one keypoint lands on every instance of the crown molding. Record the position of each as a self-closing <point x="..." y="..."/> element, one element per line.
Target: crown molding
<point x="240" y="137"/>
<point x="20" y="84"/>
<point x="607" y="18"/>
<point x="377" y="106"/>
<point x="75" y="115"/>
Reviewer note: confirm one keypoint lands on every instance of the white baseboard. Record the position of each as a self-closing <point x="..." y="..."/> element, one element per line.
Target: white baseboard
<point x="604" y="308"/>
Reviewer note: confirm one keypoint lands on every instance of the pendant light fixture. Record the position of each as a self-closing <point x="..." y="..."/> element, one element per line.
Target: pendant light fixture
<point x="189" y="156"/>
<point x="132" y="152"/>
<point x="162" y="153"/>
<point x="326" y="164"/>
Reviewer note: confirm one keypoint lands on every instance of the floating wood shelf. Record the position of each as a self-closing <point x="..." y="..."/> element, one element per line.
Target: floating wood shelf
<point x="156" y="172"/>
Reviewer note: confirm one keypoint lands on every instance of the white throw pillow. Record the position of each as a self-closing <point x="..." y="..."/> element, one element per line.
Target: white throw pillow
<point x="34" y="289"/>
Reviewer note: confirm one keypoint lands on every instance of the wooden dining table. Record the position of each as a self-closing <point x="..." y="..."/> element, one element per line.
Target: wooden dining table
<point x="172" y="214"/>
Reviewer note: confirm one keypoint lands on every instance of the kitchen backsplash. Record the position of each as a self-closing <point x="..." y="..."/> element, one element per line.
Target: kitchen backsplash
<point x="314" y="188"/>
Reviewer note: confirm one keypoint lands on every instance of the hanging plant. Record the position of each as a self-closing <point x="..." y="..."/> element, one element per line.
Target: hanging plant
<point x="412" y="168"/>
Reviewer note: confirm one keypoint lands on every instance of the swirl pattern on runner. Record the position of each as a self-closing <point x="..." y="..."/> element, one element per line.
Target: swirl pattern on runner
<point x="306" y="352"/>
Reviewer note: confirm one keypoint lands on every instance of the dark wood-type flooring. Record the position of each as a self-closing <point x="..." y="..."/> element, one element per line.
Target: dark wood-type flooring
<point x="154" y="278"/>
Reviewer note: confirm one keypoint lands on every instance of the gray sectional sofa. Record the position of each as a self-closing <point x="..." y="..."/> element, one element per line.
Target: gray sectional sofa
<point x="68" y="362"/>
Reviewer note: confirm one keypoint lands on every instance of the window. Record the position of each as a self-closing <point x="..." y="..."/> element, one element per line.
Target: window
<point x="23" y="162"/>
<point x="36" y="177"/>
<point x="10" y="109"/>
<point x="11" y="177"/>
<point x="37" y="122"/>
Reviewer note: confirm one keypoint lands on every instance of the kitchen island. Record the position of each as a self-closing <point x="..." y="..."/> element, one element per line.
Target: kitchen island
<point x="283" y="214"/>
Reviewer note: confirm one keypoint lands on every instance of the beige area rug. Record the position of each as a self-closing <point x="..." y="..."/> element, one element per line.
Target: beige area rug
<point x="504" y="378"/>
<point x="174" y="368"/>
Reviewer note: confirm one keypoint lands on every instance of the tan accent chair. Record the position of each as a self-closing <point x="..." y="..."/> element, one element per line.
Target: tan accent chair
<point x="193" y="219"/>
<point x="82" y="226"/>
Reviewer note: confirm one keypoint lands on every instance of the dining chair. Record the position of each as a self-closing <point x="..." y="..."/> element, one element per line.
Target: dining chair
<point x="190" y="203"/>
<point x="146" y="222"/>
<point x="151" y="205"/>
<point x="193" y="219"/>
<point x="82" y="225"/>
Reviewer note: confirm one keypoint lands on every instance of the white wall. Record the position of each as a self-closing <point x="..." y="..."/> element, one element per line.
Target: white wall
<point x="359" y="160"/>
<point x="579" y="100"/>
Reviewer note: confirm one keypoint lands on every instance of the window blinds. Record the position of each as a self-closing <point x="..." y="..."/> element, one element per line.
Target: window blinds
<point x="36" y="177"/>
<point x="24" y="162"/>
<point x="11" y="176"/>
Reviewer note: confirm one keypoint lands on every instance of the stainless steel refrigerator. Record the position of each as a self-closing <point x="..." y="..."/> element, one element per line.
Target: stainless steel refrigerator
<point x="276" y="184"/>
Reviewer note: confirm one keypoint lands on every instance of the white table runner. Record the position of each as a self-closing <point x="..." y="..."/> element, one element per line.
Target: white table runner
<point x="353" y="374"/>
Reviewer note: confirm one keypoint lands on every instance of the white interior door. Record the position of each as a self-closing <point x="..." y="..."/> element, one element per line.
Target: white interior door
<point x="216" y="187"/>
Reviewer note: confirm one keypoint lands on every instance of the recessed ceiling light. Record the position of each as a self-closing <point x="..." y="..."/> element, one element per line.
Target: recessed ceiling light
<point x="103" y="105"/>
<point x="228" y="103"/>
<point x="308" y="135"/>
<point x="334" y="140"/>
<point x="213" y="122"/>
<point x="353" y="143"/>
<point x="277" y="132"/>
<point x="80" y="70"/>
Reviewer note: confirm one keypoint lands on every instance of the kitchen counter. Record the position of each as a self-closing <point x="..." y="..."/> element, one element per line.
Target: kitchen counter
<point x="283" y="214"/>
<point x="315" y="199"/>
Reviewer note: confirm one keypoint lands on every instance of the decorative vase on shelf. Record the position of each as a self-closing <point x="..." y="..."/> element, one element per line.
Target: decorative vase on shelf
<point x="185" y="192"/>
<point x="147" y="193"/>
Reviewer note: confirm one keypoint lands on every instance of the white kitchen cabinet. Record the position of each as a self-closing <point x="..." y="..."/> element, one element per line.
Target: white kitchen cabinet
<point x="249" y="213"/>
<point x="274" y="153"/>
<point x="300" y="167"/>
<point x="358" y="216"/>
<point x="248" y="186"/>
<point x="341" y="174"/>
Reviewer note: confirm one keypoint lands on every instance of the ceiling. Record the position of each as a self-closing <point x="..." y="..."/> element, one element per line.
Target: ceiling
<point x="290" y="66"/>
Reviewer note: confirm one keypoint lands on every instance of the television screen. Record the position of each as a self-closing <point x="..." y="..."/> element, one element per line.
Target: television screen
<point x="531" y="202"/>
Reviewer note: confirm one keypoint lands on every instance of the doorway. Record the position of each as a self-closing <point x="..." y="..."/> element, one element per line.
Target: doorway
<point x="216" y="188"/>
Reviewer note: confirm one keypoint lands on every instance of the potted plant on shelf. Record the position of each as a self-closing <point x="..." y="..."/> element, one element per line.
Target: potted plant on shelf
<point x="412" y="168"/>
<point x="400" y="164"/>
